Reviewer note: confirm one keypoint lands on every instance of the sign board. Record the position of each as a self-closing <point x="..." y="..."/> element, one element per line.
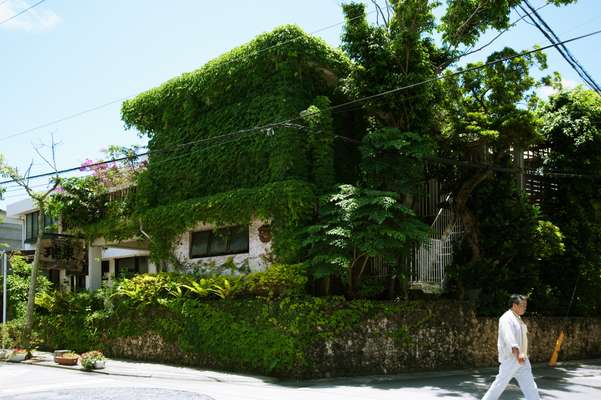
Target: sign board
<point x="63" y="252"/>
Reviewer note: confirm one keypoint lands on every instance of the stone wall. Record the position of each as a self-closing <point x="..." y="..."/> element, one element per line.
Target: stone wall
<point x="441" y="337"/>
<point x="448" y="339"/>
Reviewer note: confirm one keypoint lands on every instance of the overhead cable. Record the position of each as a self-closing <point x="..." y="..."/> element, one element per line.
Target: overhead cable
<point x="21" y="12"/>
<point x="548" y="32"/>
<point x="234" y="59"/>
<point x="336" y="107"/>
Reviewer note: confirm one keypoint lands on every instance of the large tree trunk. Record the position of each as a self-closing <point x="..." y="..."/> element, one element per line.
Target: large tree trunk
<point x="34" y="273"/>
<point x="470" y="224"/>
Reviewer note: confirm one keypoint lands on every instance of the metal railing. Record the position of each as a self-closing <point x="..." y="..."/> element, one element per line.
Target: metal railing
<point x="431" y="258"/>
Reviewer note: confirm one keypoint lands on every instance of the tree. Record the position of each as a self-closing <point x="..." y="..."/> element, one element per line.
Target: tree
<point x="489" y="112"/>
<point x="465" y="20"/>
<point x="41" y="201"/>
<point x="397" y="52"/>
<point x="480" y="115"/>
<point x="357" y="225"/>
<point x="572" y="131"/>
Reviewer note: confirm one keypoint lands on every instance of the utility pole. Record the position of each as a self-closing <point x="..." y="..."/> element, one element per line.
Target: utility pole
<point x="4" y="274"/>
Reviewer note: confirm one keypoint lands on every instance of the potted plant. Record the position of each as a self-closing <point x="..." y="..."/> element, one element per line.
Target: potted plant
<point x="59" y="353"/>
<point x="17" y="355"/>
<point x="68" y="358"/>
<point x="93" y="360"/>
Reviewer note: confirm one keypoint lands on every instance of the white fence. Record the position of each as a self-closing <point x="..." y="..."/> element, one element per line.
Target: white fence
<point x="432" y="257"/>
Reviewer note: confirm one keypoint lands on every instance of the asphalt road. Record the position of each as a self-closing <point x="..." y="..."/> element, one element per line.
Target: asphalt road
<point x="571" y="381"/>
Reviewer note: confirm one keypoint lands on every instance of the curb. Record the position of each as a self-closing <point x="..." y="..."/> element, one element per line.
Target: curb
<point x="45" y="360"/>
<point x="540" y="369"/>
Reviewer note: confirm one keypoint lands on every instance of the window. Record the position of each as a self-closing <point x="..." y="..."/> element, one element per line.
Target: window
<point x="31" y="226"/>
<point x="219" y="242"/>
<point x="129" y="266"/>
<point x="54" y="277"/>
<point x="106" y="268"/>
<point x="126" y="267"/>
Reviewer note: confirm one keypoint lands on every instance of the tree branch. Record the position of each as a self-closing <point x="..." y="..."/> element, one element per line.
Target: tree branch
<point x="380" y="12"/>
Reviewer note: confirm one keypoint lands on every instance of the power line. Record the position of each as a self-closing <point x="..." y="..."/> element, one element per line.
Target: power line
<point x="491" y="167"/>
<point x="564" y="51"/>
<point x="548" y="32"/>
<point x="235" y="59"/>
<point x="68" y="117"/>
<point x="140" y="155"/>
<point x="332" y="108"/>
<point x="21" y="12"/>
<point x="441" y="76"/>
<point x="470" y="51"/>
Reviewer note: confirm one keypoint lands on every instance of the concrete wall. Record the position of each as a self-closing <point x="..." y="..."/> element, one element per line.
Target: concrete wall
<point x="257" y="256"/>
<point x="10" y="231"/>
<point x="17" y="211"/>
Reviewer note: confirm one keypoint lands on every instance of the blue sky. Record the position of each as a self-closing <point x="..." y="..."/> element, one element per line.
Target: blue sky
<point x="67" y="56"/>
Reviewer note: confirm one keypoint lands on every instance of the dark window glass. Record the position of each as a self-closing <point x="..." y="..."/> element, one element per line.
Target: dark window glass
<point x="238" y="240"/>
<point x="199" y="245"/>
<point x="31" y="226"/>
<point x="219" y="242"/>
<point x="81" y="282"/>
<point x="105" y="267"/>
<point x="126" y="267"/>
<point x="54" y="277"/>
<point x="28" y="232"/>
<point x="49" y="224"/>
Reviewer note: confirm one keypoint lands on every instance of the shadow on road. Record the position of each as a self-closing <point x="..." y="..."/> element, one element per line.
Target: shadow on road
<point x="554" y="383"/>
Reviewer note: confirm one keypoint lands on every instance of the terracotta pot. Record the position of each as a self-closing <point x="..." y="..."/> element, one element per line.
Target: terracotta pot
<point x="59" y="353"/>
<point x="66" y="360"/>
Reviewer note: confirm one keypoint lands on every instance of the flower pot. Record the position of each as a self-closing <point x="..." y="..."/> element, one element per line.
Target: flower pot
<point x="17" y="357"/>
<point x="59" y="353"/>
<point x="66" y="360"/>
<point x="99" y="364"/>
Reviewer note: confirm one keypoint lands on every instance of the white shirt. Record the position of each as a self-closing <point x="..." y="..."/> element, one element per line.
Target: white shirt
<point x="512" y="333"/>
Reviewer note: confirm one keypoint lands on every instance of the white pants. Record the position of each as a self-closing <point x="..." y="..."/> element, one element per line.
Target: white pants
<point x="512" y="369"/>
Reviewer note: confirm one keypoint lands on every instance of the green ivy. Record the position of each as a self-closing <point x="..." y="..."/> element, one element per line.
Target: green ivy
<point x="272" y="78"/>
<point x="287" y="203"/>
<point x="196" y="174"/>
<point x="278" y="336"/>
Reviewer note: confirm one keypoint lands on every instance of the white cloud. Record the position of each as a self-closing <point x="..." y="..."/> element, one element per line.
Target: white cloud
<point x="546" y="91"/>
<point x="36" y="19"/>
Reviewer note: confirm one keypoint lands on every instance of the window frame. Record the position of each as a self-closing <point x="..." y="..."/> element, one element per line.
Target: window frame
<point x="228" y="233"/>
<point x="31" y="225"/>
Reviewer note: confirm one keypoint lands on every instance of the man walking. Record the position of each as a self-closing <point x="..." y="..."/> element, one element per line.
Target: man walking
<point x="513" y="352"/>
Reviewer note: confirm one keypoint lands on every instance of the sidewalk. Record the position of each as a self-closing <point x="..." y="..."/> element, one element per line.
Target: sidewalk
<point x="162" y="371"/>
<point x="150" y="370"/>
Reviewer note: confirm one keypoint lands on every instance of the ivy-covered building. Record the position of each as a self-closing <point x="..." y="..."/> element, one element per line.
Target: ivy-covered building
<point x="239" y="151"/>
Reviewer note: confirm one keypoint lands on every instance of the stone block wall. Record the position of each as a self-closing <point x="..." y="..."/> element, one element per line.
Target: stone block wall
<point x="448" y="339"/>
<point x="443" y="336"/>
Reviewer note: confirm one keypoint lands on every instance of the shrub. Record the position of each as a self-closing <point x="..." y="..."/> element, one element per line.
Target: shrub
<point x="18" y="286"/>
<point x="279" y="280"/>
<point x="88" y="360"/>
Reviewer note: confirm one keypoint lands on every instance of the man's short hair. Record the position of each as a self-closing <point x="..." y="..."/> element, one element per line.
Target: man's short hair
<point x="516" y="299"/>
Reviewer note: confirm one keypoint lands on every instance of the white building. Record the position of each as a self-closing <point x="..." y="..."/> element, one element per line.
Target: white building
<point x="104" y="260"/>
<point x="203" y="248"/>
<point x="10" y="232"/>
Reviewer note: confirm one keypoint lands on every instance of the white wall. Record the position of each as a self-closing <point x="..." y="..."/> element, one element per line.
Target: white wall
<point x="257" y="256"/>
<point x="18" y="211"/>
